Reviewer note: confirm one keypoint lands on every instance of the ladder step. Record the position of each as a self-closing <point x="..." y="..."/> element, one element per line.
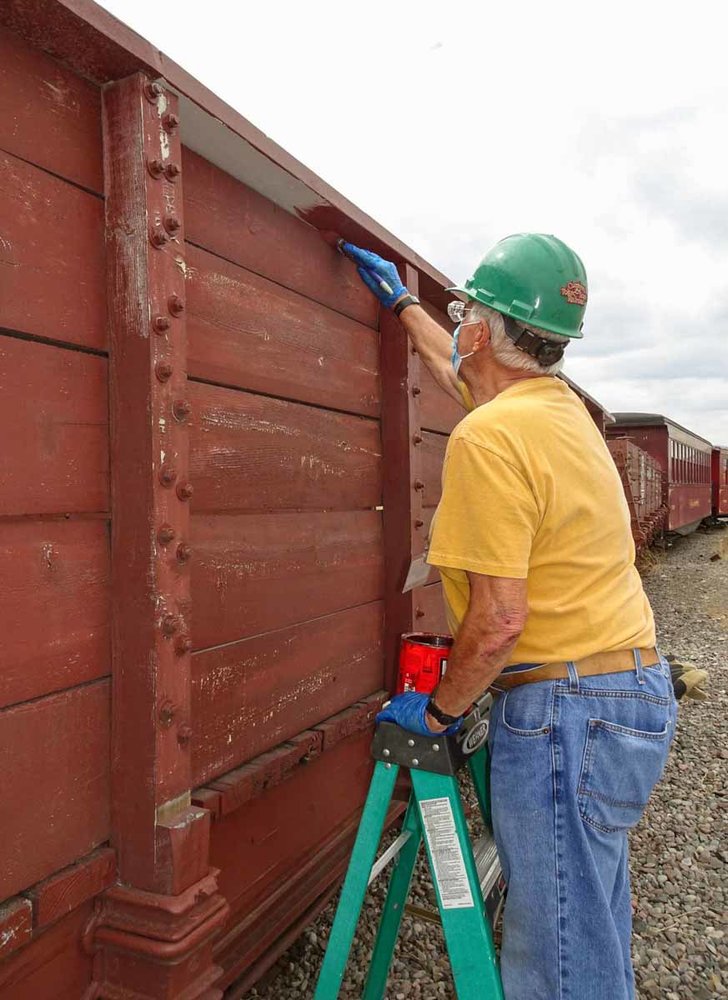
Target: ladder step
<point x="486" y="861"/>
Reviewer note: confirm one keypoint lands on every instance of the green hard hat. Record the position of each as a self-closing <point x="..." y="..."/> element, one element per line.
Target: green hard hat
<point x="535" y="279"/>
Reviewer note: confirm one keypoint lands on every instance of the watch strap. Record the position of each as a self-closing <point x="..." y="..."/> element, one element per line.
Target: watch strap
<point x="408" y="300"/>
<point x="442" y="717"/>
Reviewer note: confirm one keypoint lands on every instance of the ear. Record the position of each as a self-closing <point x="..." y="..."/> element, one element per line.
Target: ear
<point x="482" y="336"/>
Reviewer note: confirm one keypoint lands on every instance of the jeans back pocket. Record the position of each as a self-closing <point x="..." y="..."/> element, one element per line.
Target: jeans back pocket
<point x="621" y="767"/>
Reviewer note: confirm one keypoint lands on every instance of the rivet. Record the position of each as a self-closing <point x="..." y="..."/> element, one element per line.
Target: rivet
<point x="185" y="491"/>
<point x="435" y="747"/>
<point x="182" y="645"/>
<point x="170" y="122"/>
<point x="184" y="552"/>
<point x="165" y="534"/>
<point x="415" y="762"/>
<point x="385" y="753"/>
<point x="166" y="714"/>
<point x="170" y="624"/>
<point x="167" y="475"/>
<point x="419" y="613"/>
<point x="161" y="324"/>
<point x="419" y="522"/>
<point x="172" y="224"/>
<point x="163" y="371"/>
<point x="416" y="390"/>
<point x="181" y="408"/>
<point x="155" y="166"/>
<point x="175" y="305"/>
<point x="172" y="171"/>
<point x="410" y="743"/>
<point x="417" y="439"/>
<point x="158" y="237"/>
<point x="152" y="91"/>
<point x="419" y="485"/>
<point x="184" y="734"/>
<point x="388" y="766"/>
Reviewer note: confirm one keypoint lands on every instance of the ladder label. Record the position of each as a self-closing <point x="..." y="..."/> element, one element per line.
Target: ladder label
<point x="447" y="854"/>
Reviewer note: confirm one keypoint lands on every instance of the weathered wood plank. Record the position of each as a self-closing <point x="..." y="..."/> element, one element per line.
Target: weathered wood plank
<point x="56" y="896"/>
<point x="56" y="458"/>
<point x="252" y="695"/>
<point x="439" y="411"/>
<point x="251" y="452"/>
<point x="51" y="257"/>
<point x="54" y="592"/>
<point x="257" y="849"/>
<point x="433" y="454"/>
<point x="430" y="609"/>
<point x="249" y="332"/>
<point x="16" y="925"/>
<point x="233" y="221"/>
<point x="48" y="115"/>
<point x="54" y="964"/>
<point x="54" y="783"/>
<point x="252" y="573"/>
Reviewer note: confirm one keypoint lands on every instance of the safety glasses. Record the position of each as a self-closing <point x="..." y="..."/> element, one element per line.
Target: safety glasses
<point x="457" y="310"/>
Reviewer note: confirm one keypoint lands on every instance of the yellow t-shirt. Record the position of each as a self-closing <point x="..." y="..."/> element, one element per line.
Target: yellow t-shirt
<point x="530" y="491"/>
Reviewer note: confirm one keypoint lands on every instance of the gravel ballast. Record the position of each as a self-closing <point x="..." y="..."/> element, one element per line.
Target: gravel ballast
<point x="679" y="849"/>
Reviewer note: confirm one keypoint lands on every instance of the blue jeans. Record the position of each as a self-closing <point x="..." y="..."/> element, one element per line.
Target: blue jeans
<point x="573" y="763"/>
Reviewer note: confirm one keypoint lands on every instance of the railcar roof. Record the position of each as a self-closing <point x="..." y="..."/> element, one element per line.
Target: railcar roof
<point x="654" y="420"/>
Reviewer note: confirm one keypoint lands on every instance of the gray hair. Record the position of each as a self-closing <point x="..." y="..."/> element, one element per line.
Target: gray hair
<point x="506" y="352"/>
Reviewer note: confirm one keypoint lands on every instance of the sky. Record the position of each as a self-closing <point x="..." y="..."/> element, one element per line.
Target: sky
<point x="456" y="124"/>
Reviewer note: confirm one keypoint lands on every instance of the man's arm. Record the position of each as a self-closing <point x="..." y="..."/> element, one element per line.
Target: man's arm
<point x="431" y="341"/>
<point x="495" y="618"/>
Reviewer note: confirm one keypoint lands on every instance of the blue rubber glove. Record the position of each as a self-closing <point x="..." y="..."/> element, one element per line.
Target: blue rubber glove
<point x="372" y="267"/>
<point x="408" y="711"/>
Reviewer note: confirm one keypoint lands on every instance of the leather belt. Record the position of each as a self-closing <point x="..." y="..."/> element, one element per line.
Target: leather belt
<point x="617" y="662"/>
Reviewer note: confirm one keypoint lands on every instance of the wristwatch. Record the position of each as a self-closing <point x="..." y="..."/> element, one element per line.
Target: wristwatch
<point x="408" y="300"/>
<point x="442" y="717"/>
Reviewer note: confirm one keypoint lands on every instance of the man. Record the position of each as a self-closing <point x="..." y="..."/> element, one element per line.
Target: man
<point x="532" y="539"/>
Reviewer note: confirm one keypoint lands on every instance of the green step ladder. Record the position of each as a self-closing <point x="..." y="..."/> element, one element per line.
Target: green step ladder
<point x="467" y="877"/>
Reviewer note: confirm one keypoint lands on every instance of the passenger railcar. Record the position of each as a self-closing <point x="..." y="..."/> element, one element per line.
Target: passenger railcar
<point x="719" y="481"/>
<point x="685" y="460"/>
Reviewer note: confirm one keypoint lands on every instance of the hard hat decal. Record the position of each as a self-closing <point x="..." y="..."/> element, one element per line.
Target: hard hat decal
<point x="574" y="293"/>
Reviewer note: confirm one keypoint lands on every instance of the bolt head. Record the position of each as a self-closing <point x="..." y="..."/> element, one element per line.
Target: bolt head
<point x="385" y="753"/>
<point x="183" y="645"/>
<point x="419" y="485"/>
<point x="410" y="743"/>
<point x="165" y="534"/>
<point x="170" y="122"/>
<point x="155" y="166"/>
<point x="184" y="552"/>
<point x="153" y="90"/>
<point x="158" y="237"/>
<point x="184" y="734"/>
<point x="170" y="624"/>
<point x="172" y="224"/>
<point x="415" y="762"/>
<point x="160" y="324"/>
<point x="167" y="475"/>
<point x="416" y="390"/>
<point x="163" y="371"/>
<point x="419" y="613"/>
<point x="417" y="439"/>
<point x="166" y="714"/>
<point x="175" y="305"/>
<point x="419" y="523"/>
<point x="435" y="747"/>
<point x="185" y="491"/>
<point x="181" y="408"/>
<point x="172" y="171"/>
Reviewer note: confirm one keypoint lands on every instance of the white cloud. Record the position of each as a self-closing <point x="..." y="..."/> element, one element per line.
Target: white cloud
<point x="454" y="126"/>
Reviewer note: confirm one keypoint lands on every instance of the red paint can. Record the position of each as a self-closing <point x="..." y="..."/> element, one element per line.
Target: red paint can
<point x="422" y="661"/>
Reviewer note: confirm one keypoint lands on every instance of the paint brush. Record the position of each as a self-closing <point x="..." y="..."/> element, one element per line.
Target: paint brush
<point x="337" y="242"/>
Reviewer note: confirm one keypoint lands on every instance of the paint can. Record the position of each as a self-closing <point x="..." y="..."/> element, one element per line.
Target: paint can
<point x="422" y="661"/>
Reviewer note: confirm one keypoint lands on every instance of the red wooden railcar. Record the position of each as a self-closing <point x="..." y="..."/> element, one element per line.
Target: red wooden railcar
<point x="685" y="460"/>
<point x="643" y="483"/>
<point x="719" y="479"/>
